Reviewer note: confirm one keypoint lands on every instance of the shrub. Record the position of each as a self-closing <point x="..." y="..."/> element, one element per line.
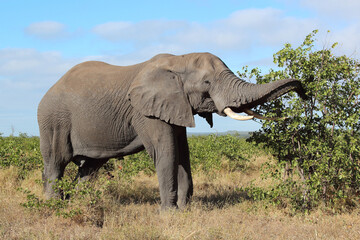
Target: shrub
<point x="22" y="152"/>
<point x="80" y="202"/>
<point x="317" y="148"/>
<point x="225" y="152"/>
<point x="207" y="153"/>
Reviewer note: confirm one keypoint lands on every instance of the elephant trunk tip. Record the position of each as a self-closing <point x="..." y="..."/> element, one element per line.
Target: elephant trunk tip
<point x="301" y="91"/>
<point x="303" y="95"/>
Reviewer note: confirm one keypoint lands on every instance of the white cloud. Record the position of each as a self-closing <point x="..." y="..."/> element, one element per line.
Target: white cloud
<point x="247" y="32"/>
<point x="24" y="68"/>
<point x="152" y="30"/>
<point x="25" y="76"/>
<point x="348" y="39"/>
<point x="47" y="30"/>
<point x="240" y="31"/>
<point x="340" y="17"/>
<point x="347" y="9"/>
<point x="248" y="28"/>
<point x="113" y="31"/>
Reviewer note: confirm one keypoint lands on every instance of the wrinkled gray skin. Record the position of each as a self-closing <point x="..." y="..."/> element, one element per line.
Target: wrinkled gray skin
<point x="97" y="111"/>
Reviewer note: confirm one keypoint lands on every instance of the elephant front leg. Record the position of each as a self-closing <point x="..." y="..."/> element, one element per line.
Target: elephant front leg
<point x="159" y="139"/>
<point x="166" y="168"/>
<point x="185" y="183"/>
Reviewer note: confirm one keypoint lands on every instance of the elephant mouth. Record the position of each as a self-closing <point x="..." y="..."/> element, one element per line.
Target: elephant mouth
<point x="251" y="115"/>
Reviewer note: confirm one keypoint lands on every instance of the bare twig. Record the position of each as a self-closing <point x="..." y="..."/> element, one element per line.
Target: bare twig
<point x="191" y="234"/>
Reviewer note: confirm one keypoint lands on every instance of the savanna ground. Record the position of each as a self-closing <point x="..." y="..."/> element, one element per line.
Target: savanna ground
<point x="123" y="203"/>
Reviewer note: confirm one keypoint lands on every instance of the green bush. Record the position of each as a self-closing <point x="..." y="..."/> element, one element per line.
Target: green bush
<point x="133" y="164"/>
<point x="225" y="152"/>
<point x="317" y="148"/>
<point x="207" y="153"/>
<point x="22" y="152"/>
<point x="81" y="203"/>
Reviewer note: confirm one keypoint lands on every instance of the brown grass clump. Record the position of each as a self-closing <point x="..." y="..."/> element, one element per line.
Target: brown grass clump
<point x="130" y="210"/>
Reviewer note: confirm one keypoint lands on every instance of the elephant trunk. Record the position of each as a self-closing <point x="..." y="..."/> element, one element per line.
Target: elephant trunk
<point x="241" y="96"/>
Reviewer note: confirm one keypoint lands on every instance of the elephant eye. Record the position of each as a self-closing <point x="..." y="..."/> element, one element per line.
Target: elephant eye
<point x="207" y="81"/>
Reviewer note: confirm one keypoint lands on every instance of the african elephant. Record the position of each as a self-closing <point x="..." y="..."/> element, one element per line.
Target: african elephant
<point x="98" y="111"/>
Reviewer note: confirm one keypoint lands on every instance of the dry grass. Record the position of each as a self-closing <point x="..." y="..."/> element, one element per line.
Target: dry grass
<point x="131" y="211"/>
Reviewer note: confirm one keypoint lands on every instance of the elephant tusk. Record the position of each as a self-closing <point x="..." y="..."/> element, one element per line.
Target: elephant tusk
<point x="235" y="116"/>
<point x="257" y="115"/>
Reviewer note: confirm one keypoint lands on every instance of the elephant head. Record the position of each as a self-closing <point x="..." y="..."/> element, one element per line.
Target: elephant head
<point x="174" y="88"/>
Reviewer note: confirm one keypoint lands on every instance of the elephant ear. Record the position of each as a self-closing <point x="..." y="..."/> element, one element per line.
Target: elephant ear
<point x="157" y="92"/>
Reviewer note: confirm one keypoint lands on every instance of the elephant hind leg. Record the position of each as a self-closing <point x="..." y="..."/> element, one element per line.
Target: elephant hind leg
<point x="56" y="150"/>
<point x="51" y="173"/>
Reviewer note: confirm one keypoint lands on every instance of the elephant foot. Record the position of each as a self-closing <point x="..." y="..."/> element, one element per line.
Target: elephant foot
<point x="182" y="205"/>
<point x="49" y="188"/>
<point x="168" y="209"/>
<point x="185" y="193"/>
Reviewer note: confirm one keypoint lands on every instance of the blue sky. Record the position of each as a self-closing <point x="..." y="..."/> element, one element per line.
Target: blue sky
<point x="41" y="40"/>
